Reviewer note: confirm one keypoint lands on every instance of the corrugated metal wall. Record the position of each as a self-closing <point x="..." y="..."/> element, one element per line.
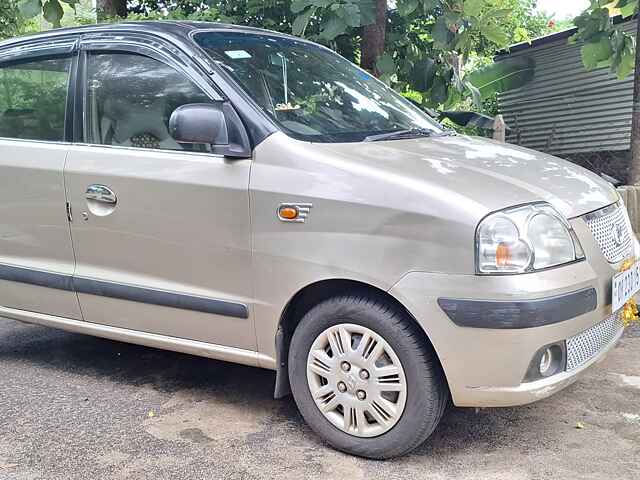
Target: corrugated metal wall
<point x="565" y="109"/>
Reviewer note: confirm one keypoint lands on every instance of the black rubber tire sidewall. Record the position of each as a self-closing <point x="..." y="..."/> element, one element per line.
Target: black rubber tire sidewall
<point x="426" y="391"/>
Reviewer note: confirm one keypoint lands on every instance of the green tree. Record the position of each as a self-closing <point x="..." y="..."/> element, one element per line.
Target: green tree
<point x="605" y="44"/>
<point x="53" y="11"/>
<point x="416" y="45"/>
<point x="10" y="19"/>
<point x="423" y="48"/>
<point x="106" y="9"/>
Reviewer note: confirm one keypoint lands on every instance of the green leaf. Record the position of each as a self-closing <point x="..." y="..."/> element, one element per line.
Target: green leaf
<point x="301" y="22"/>
<point x="422" y="74"/>
<point x="298" y="6"/>
<point x="429" y="5"/>
<point x="30" y="8"/>
<point x="509" y="74"/>
<point x="499" y="13"/>
<point x="349" y="12"/>
<point x="439" y="93"/>
<point x="453" y="20"/>
<point x="595" y="52"/>
<point x="627" y="7"/>
<point x="627" y="59"/>
<point x="333" y="28"/>
<point x="385" y="64"/>
<point x="441" y="34"/>
<point x="494" y="33"/>
<point x="353" y="20"/>
<point x="464" y="42"/>
<point x="352" y="9"/>
<point x="473" y="8"/>
<point x="367" y="12"/>
<point x="53" y="12"/>
<point x="407" y="7"/>
<point x="591" y="25"/>
<point x="475" y="95"/>
<point x="73" y="4"/>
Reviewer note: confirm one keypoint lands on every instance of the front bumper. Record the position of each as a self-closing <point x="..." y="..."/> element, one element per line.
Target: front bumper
<point x="528" y="392"/>
<point x="486" y="367"/>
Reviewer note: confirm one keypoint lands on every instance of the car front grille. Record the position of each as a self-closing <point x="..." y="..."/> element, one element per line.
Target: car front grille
<point x="584" y="346"/>
<point x="611" y="228"/>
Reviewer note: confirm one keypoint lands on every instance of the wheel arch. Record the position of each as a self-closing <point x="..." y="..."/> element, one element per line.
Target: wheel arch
<point x="309" y="296"/>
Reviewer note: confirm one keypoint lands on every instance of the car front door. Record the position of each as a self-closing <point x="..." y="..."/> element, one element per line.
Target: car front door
<point x="36" y="257"/>
<point x="160" y="230"/>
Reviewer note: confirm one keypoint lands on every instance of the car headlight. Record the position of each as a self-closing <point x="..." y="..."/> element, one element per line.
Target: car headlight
<point x="524" y="239"/>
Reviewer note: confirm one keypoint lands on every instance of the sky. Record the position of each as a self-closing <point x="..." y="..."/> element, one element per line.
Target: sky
<point x="563" y="8"/>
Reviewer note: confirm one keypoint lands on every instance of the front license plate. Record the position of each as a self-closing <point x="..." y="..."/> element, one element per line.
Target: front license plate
<point x="625" y="285"/>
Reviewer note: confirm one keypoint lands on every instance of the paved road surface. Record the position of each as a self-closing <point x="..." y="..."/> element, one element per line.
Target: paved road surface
<point x="76" y="407"/>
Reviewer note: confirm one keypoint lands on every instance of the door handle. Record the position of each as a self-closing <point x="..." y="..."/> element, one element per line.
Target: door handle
<point x="101" y="194"/>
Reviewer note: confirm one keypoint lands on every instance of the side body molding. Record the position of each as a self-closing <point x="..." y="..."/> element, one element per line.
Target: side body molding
<point x="124" y="292"/>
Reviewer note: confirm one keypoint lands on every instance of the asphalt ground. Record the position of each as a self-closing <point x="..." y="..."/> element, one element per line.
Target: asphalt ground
<point x="77" y="407"/>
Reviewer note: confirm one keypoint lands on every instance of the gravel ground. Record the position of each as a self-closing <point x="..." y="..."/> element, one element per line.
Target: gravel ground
<point x="77" y="407"/>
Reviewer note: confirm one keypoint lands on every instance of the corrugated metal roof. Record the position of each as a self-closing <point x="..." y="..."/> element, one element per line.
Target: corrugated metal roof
<point x="552" y="37"/>
<point x="566" y="109"/>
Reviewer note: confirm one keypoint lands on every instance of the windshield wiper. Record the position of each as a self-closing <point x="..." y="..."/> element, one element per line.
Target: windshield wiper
<point x="399" y="134"/>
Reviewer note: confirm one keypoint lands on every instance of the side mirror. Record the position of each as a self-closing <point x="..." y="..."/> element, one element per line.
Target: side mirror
<point x="216" y="124"/>
<point x="199" y="123"/>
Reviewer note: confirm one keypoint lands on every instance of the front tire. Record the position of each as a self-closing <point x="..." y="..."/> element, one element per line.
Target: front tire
<point x="363" y="379"/>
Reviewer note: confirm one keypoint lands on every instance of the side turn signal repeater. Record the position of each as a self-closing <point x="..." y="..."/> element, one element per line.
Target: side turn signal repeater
<point x="288" y="213"/>
<point x="294" y="212"/>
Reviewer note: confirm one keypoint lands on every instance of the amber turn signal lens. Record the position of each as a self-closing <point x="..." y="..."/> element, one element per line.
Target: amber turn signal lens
<point x="503" y="255"/>
<point x="288" y="213"/>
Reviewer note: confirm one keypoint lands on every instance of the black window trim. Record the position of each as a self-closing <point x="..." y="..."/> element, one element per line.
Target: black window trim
<point x="28" y="52"/>
<point x="66" y="47"/>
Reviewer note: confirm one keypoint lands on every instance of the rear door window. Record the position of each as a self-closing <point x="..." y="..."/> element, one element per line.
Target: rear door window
<point x="33" y="99"/>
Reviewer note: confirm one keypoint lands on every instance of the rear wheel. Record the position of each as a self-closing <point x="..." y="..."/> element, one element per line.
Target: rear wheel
<point x="363" y="378"/>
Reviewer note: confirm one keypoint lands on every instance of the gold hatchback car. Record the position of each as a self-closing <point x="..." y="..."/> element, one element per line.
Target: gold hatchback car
<point x="253" y="197"/>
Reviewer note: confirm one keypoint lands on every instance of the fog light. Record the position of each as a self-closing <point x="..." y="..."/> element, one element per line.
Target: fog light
<point x="545" y="362"/>
<point x="548" y="361"/>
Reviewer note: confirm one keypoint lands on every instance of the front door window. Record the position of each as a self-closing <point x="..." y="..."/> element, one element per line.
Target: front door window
<point x="131" y="98"/>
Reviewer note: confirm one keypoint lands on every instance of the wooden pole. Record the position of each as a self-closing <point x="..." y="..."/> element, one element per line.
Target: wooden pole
<point x="499" y="129"/>
<point x="634" y="171"/>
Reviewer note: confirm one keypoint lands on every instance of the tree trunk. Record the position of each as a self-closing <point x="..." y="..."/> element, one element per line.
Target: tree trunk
<point x="634" y="174"/>
<point x="107" y="9"/>
<point x="373" y="39"/>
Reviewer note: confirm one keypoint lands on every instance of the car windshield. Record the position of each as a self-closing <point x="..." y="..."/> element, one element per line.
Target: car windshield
<point x="312" y="93"/>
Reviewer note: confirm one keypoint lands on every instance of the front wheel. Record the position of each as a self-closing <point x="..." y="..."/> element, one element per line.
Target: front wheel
<point x="363" y="378"/>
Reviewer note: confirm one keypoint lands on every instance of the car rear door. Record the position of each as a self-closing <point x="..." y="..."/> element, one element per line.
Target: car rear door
<point x="160" y="230"/>
<point x="36" y="256"/>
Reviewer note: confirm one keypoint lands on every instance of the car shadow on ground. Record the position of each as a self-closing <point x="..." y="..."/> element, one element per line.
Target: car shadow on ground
<point x="171" y="372"/>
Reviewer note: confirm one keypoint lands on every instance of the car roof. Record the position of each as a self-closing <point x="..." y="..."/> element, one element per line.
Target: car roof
<point x="163" y="28"/>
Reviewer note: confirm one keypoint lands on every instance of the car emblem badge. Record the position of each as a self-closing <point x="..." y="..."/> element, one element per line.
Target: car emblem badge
<point x="617" y="234"/>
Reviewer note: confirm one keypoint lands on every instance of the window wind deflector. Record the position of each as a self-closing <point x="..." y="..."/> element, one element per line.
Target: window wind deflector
<point x="400" y="134"/>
